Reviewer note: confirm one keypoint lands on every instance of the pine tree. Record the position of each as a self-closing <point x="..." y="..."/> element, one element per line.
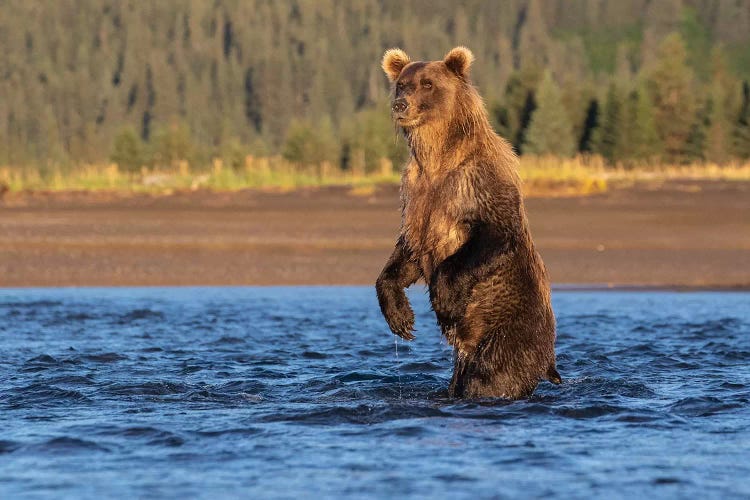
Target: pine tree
<point x="576" y="98"/>
<point x="127" y="150"/>
<point x="670" y="83"/>
<point x="741" y="132"/>
<point x="694" y="148"/>
<point x="372" y="131"/>
<point x="645" y="141"/>
<point x="550" y="131"/>
<point x="311" y="143"/>
<point x="590" y="124"/>
<point x="533" y="36"/>
<point x="171" y="144"/>
<point x="252" y="102"/>
<point x="237" y="73"/>
<point x="718" y="135"/>
<point x="512" y="117"/>
<point x="628" y="126"/>
<point x="607" y="137"/>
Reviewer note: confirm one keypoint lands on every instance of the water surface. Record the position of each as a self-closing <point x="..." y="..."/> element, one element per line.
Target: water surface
<point x="298" y="392"/>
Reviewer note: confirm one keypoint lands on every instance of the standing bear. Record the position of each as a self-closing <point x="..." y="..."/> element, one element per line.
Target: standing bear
<point x="464" y="231"/>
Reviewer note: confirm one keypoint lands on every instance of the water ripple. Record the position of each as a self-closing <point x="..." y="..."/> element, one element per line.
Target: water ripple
<point x="297" y="392"/>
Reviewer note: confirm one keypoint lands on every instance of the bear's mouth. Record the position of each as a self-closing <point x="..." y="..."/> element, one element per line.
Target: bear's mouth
<point x="407" y="122"/>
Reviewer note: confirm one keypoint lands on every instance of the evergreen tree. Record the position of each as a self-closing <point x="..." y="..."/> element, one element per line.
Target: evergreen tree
<point x="501" y="120"/>
<point x="590" y="124"/>
<point x="127" y="150"/>
<point x="372" y="132"/>
<point x="170" y="145"/>
<point x="235" y="74"/>
<point x="533" y="37"/>
<point x="694" y="148"/>
<point x="670" y="82"/>
<point x="722" y="103"/>
<point x="311" y="143"/>
<point x="576" y="98"/>
<point x="741" y="132"/>
<point x="252" y="102"/>
<point x="550" y="131"/>
<point x="718" y="135"/>
<point x="645" y="141"/>
<point x="626" y="140"/>
<point x="607" y="138"/>
<point x="513" y="116"/>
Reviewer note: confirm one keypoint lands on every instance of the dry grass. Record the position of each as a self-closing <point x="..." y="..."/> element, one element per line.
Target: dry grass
<point x="544" y="176"/>
<point x="271" y="172"/>
<point x="590" y="174"/>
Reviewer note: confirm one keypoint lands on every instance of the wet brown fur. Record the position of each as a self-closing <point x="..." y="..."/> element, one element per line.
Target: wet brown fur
<point x="464" y="231"/>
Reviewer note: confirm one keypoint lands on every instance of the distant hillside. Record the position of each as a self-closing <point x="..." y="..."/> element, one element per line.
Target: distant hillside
<point x="150" y="82"/>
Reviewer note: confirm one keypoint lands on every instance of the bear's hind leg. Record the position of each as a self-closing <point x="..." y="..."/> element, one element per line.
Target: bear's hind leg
<point x="472" y="378"/>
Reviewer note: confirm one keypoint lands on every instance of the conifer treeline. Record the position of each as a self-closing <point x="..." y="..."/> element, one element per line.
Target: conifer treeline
<point x="154" y="82"/>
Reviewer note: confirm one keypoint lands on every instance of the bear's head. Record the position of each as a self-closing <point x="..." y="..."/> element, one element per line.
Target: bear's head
<point x="424" y="91"/>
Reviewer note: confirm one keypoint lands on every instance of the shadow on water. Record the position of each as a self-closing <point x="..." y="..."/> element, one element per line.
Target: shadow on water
<point x="301" y="390"/>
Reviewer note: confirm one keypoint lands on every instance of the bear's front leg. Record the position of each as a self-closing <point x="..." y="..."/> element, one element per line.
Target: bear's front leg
<point x="399" y="273"/>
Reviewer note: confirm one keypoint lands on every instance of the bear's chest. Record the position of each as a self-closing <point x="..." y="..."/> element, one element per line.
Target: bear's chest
<point x="432" y="220"/>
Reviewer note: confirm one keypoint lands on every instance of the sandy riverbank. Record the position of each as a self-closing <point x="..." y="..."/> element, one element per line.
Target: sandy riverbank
<point x="682" y="233"/>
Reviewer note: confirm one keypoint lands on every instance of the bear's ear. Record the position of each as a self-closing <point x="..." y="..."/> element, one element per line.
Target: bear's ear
<point x="459" y="61"/>
<point x="394" y="61"/>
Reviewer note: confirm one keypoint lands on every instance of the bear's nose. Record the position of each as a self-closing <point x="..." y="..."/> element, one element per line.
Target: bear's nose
<point x="399" y="105"/>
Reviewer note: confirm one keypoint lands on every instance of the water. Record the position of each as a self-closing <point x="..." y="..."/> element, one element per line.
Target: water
<point x="298" y="392"/>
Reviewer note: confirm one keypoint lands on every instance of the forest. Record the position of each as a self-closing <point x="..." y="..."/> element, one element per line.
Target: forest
<point x="154" y="84"/>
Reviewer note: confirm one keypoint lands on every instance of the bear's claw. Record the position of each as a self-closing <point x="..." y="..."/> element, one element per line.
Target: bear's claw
<point x="402" y="324"/>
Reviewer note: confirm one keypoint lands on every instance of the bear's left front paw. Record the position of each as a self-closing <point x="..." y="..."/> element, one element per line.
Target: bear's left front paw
<point x="401" y="320"/>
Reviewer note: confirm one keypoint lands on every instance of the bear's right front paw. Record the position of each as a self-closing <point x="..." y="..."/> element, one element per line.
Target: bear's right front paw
<point x="401" y="322"/>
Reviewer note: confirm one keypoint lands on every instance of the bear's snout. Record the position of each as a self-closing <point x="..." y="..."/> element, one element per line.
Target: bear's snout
<point x="399" y="105"/>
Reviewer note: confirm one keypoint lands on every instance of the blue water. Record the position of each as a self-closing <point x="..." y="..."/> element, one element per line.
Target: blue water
<point x="299" y="392"/>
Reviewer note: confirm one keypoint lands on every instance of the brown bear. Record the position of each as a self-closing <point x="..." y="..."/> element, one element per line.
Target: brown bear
<point x="464" y="231"/>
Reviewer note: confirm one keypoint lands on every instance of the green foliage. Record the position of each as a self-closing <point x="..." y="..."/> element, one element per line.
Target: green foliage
<point x="741" y="130"/>
<point x="741" y="141"/>
<point x="717" y="148"/>
<point x="310" y="143"/>
<point x="171" y="145"/>
<point x="512" y="117"/>
<point x="602" y="44"/>
<point x="235" y="75"/>
<point x="670" y="83"/>
<point x="645" y="141"/>
<point x="697" y="40"/>
<point x="373" y="132"/>
<point x="501" y="119"/>
<point x="739" y="59"/>
<point x="695" y="145"/>
<point x="233" y="153"/>
<point x="608" y="137"/>
<point x="127" y="150"/>
<point x="627" y="134"/>
<point x="589" y="127"/>
<point x="550" y="131"/>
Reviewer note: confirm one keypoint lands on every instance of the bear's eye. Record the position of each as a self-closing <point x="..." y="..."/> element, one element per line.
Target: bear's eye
<point x="427" y="84"/>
